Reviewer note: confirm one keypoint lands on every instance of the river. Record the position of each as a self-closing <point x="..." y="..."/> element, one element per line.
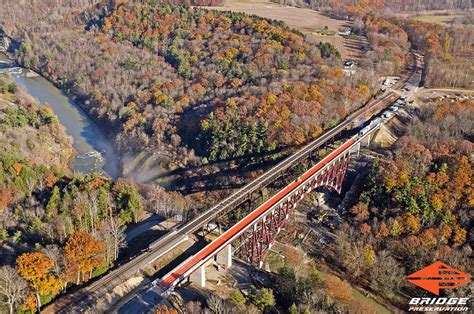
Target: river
<point x="94" y="151"/>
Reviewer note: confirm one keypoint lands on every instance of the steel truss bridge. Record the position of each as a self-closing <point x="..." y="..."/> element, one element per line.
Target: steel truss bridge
<point x="252" y="236"/>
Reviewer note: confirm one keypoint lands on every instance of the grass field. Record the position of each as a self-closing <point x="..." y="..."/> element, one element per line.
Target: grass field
<point x="309" y="22"/>
<point x="443" y="17"/>
<point x="438" y="19"/>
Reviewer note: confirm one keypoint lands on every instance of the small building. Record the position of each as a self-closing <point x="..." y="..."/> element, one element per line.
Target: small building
<point x="389" y="81"/>
<point x="348" y="64"/>
<point x="344" y="31"/>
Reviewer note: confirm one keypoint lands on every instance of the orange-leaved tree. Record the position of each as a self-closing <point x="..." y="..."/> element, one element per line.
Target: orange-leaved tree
<point x="30" y="303"/>
<point x="163" y="309"/>
<point x="83" y="254"/>
<point x="35" y="268"/>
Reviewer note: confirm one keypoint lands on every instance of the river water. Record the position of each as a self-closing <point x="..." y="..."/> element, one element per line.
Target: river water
<point x="95" y="153"/>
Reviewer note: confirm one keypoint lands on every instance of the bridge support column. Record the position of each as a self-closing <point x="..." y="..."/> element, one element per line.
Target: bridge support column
<point x="225" y="256"/>
<point x="368" y="140"/>
<point x="357" y="149"/>
<point x="199" y="276"/>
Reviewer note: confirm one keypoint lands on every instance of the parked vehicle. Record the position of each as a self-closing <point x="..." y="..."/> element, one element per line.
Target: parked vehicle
<point x="388" y="115"/>
<point x="210" y="227"/>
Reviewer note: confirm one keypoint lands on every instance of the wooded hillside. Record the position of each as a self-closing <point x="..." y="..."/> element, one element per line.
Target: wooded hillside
<point x="414" y="208"/>
<point x="57" y="228"/>
<point x="218" y="84"/>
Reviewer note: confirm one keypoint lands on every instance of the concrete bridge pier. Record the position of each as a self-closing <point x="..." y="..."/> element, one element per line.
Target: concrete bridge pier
<point x="366" y="140"/>
<point x="225" y="256"/>
<point x="356" y="149"/>
<point x="199" y="276"/>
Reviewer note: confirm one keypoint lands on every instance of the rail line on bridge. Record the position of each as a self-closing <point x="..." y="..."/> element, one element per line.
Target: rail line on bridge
<point x="85" y="296"/>
<point x="270" y="175"/>
<point x="327" y="172"/>
<point x="89" y="294"/>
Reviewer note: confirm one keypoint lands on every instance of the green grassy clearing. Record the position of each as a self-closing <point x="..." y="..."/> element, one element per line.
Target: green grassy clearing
<point x="325" y="32"/>
<point x="437" y="19"/>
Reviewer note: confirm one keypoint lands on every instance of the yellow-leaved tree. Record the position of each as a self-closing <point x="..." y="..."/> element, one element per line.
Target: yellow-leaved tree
<point x="35" y="268"/>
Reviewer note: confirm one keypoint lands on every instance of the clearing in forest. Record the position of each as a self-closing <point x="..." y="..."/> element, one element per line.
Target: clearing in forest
<point x="438" y="19"/>
<point x="443" y="17"/>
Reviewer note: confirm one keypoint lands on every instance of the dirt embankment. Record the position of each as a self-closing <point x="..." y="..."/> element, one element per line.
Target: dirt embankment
<point x="396" y="127"/>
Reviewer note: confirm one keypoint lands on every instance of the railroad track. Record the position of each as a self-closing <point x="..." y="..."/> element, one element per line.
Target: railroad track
<point x="102" y="285"/>
<point x="86" y="296"/>
<point x="243" y="193"/>
<point x="417" y="65"/>
<point x="79" y="301"/>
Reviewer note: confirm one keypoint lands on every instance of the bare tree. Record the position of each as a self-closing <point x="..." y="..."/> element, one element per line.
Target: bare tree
<point x="113" y="234"/>
<point x="117" y="230"/>
<point x="215" y="304"/>
<point x="350" y="250"/>
<point x="169" y="205"/>
<point x="160" y="202"/>
<point x="387" y="274"/>
<point x="55" y="253"/>
<point x="13" y="288"/>
<point x="93" y="208"/>
<point x="194" y="307"/>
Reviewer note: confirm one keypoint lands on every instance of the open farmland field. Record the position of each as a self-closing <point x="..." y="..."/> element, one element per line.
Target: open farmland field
<point x="438" y="19"/>
<point x="443" y="17"/>
<point x="307" y="21"/>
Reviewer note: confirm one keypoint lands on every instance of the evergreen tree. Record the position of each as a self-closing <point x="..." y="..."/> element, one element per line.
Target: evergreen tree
<point x="53" y="204"/>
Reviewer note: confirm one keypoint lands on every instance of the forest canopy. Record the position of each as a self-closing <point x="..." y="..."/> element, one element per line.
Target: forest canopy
<point x="220" y="84"/>
<point x="56" y="227"/>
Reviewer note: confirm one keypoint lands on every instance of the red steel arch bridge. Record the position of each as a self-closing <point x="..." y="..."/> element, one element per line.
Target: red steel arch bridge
<point x="252" y="237"/>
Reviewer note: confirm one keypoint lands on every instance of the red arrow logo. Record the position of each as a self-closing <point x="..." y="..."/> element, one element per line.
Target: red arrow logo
<point x="438" y="276"/>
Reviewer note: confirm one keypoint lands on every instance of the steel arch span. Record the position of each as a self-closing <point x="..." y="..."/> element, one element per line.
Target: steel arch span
<point x="254" y="234"/>
<point x="254" y="244"/>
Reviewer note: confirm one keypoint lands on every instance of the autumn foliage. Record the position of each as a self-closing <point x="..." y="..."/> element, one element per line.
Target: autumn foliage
<point x="83" y="254"/>
<point x="265" y="85"/>
<point x="36" y="269"/>
<point x="341" y="291"/>
<point x="415" y="206"/>
<point x="163" y="309"/>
